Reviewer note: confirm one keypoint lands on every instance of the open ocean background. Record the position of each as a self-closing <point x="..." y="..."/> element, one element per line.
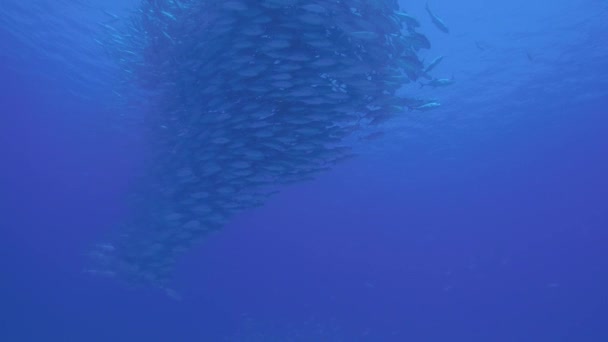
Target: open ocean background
<point x="483" y="221"/>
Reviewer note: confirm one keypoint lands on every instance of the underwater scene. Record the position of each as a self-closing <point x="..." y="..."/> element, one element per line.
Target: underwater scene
<point x="303" y="171"/>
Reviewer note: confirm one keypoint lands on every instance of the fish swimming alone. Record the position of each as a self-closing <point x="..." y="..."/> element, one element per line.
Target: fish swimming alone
<point x="436" y="20"/>
<point x="438" y="82"/>
<point x="429" y="106"/>
<point x="433" y="64"/>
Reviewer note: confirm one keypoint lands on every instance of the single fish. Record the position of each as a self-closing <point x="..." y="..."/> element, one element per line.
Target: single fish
<point x="530" y="57"/>
<point x="410" y="21"/>
<point x="428" y="106"/>
<point x="438" y="82"/>
<point x="436" y="20"/>
<point x="481" y="45"/>
<point x="433" y="64"/>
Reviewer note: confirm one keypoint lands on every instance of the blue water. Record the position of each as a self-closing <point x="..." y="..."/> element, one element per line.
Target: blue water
<point x="483" y="221"/>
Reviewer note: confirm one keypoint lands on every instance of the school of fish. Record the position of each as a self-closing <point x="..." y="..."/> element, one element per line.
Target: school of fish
<point x="248" y="95"/>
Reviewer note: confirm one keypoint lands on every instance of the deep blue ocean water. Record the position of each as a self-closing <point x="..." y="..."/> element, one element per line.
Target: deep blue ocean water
<point x="483" y="221"/>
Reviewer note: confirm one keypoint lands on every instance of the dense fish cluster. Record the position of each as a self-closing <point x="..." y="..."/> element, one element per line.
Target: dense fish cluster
<point x="249" y="95"/>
